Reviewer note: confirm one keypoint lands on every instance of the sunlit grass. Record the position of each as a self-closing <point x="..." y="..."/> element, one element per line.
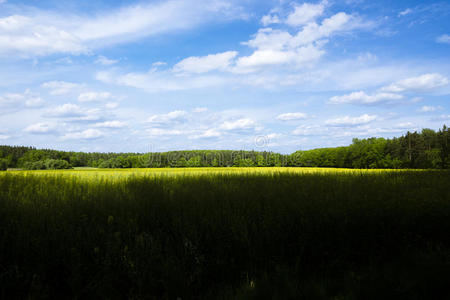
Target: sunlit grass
<point x="120" y="173"/>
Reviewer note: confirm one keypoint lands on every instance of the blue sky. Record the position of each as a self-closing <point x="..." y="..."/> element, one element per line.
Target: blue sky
<point x="272" y="75"/>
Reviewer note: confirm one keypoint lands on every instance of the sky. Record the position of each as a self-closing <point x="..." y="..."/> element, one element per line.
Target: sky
<point x="265" y="75"/>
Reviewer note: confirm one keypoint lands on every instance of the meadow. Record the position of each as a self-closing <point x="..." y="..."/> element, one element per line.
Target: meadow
<point x="225" y="233"/>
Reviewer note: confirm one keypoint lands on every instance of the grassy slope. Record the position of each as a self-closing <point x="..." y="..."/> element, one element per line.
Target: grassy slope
<point x="232" y="233"/>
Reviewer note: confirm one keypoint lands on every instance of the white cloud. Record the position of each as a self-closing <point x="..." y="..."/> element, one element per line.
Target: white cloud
<point x="291" y="116"/>
<point x="88" y="134"/>
<point x="262" y="58"/>
<point x="279" y="47"/>
<point x="305" y="13"/>
<point x="60" y="87"/>
<point x="43" y="33"/>
<point x="34" y="102"/>
<point x="423" y="83"/>
<point x="362" y="98"/>
<point x="200" y="109"/>
<point x="4" y="137"/>
<point x="351" y="121"/>
<point x="405" y="125"/>
<point x="105" y="61"/>
<point x="111" y="124"/>
<point x="164" y="132"/>
<point x="220" y="61"/>
<point x="155" y="81"/>
<point x="270" y="39"/>
<point x="36" y="36"/>
<point x="244" y="123"/>
<point x="93" y="96"/>
<point x="337" y="23"/>
<point x="159" y="64"/>
<point x="40" y="128"/>
<point x="10" y="99"/>
<point x="66" y="110"/>
<point x="111" y="105"/>
<point x="405" y="12"/>
<point x="274" y="136"/>
<point x="210" y="133"/>
<point x="19" y="101"/>
<point x="445" y="39"/>
<point x="274" y="48"/>
<point x="426" y="108"/>
<point x="309" y="130"/>
<point x="444" y="118"/>
<point x="173" y="116"/>
<point x="270" y="19"/>
<point x="74" y="113"/>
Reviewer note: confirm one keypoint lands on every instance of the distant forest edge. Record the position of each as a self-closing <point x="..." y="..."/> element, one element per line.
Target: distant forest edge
<point x="427" y="149"/>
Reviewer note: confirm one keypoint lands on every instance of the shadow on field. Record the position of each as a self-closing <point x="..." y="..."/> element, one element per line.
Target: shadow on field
<point x="238" y="236"/>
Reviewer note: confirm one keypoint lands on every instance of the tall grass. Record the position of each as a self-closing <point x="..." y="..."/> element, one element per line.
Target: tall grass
<point x="232" y="234"/>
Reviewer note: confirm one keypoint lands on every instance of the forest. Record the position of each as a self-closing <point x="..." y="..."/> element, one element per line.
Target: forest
<point x="427" y="149"/>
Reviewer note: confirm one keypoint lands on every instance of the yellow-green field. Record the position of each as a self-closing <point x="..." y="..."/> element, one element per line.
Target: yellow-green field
<point x="225" y="233"/>
<point x="119" y="173"/>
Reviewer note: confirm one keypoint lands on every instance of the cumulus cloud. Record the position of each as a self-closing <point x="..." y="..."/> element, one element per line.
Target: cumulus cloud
<point x="171" y="117"/>
<point x="445" y="39"/>
<point x="40" y="128"/>
<point x="60" y="87"/>
<point x="158" y="64"/>
<point x="337" y="23"/>
<point x="270" y="19"/>
<point x="309" y="130"/>
<point x="111" y="105"/>
<point x="404" y="125"/>
<point x="164" y="132"/>
<point x="362" y="98"/>
<point x="111" y="124"/>
<point x="93" y="96"/>
<point x="305" y="13"/>
<point x="441" y="118"/>
<point x="74" y="113"/>
<point x="422" y="83"/>
<point x="269" y="57"/>
<point x="14" y="101"/>
<point x="240" y="124"/>
<point x="10" y="99"/>
<point x="426" y="108"/>
<point x="88" y="134"/>
<point x="291" y="116"/>
<point x="279" y="47"/>
<point x="200" y="109"/>
<point x="105" y="61"/>
<point x="273" y="49"/>
<point x="220" y="61"/>
<point x="210" y="133"/>
<point x="66" y="110"/>
<point x="351" y="121"/>
<point x="34" y="102"/>
<point x="394" y="92"/>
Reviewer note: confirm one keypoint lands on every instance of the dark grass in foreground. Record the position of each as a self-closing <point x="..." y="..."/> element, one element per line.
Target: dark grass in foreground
<point x="273" y="236"/>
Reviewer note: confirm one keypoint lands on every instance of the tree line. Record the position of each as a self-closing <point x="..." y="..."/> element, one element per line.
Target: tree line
<point x="427" y="149"/>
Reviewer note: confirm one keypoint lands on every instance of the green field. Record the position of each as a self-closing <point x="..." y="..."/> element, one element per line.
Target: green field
<point x="225" y="233"/>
